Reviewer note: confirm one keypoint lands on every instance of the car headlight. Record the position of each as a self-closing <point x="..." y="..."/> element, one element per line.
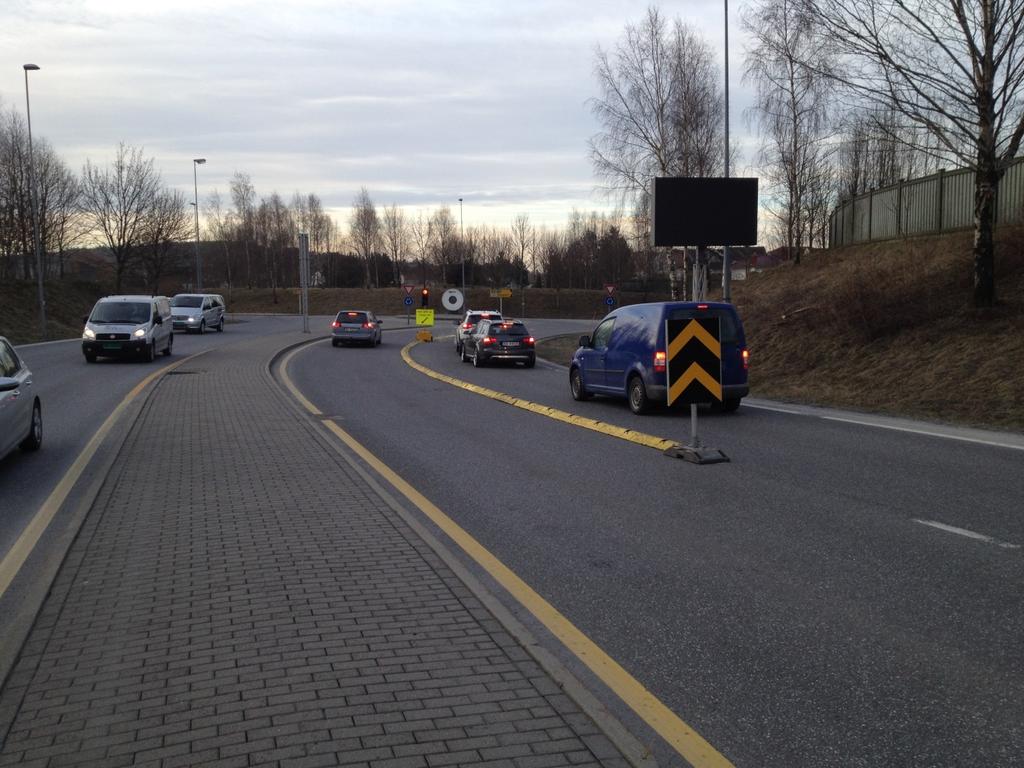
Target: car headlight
<point x="139" y="333"/>
<point x="88" y="333"/>
<point x="191" y="319"/>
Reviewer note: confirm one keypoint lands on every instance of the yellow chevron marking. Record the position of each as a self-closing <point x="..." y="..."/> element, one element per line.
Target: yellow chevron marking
<point x="694" y="330"/>
<point x="694" y="373"/>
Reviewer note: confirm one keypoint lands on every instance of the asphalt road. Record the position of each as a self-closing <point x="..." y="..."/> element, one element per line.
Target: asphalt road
<point x="787" y="605"/>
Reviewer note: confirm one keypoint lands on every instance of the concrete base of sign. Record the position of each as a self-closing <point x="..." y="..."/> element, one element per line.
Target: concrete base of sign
<point x="697" y="454"/>
<point x="424" y="336"/>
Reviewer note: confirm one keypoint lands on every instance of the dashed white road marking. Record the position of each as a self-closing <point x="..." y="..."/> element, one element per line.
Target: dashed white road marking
<point x="966" y="533"/>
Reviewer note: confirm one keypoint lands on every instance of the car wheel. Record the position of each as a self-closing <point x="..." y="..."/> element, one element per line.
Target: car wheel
<point x="170" y="345"/>
<point x="462" y="354"/>
<point x="90" y="357"/>
<point x="638" y="401"/>
<point x="730" y="404"/>
<point x="150" y="355"/>
<point x="202" y="327"/>
<point x="334" y="343"/>
<point x="220" y="325"/>
<point x="458" y="348"/>
<point x="35" y="433"/>
<point x="579" y="392"/>
<point x="477" y="362"/>
<point x="531" y="362"/>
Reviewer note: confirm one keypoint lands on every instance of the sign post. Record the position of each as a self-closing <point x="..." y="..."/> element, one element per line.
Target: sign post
<point x="693" y="373"/>
<point x="699" y="212"/>
<point x="408" y="300"/>
<point x="304" y="280"/>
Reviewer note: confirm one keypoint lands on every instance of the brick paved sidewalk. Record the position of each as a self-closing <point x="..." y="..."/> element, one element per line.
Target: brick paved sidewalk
<point x="239" y="595"/>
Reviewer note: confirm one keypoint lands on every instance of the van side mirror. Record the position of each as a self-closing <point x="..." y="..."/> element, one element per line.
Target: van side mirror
<point x="158" y="320"/>
<point x="8" y="384"/>
<point x="584" y="341"/>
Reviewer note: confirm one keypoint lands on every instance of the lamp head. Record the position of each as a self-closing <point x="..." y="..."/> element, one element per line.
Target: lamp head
<point x="30" y="67"/>
<point x="199" y="160"/>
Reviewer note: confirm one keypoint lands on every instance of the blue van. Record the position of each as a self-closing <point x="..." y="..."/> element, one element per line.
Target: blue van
<point x="626" y="355"/>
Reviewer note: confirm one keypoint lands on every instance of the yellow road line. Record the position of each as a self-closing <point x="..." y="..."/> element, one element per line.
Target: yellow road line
<point x="640" y="438"/>
<point x="22" y="548"/>
<point x="684" y="739"/>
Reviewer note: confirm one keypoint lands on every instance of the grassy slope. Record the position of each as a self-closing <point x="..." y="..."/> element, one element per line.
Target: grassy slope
<point x="885" y="327"/>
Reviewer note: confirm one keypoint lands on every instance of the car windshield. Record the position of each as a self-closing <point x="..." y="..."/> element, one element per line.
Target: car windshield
<point x="121" y="312"/>
<point x="728" y="327"/>
<point x="187" y="301"/>
<point x="352" y="317"/>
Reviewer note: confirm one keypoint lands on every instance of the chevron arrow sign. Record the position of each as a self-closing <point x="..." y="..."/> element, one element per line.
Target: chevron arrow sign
<point x="694" y="365"/>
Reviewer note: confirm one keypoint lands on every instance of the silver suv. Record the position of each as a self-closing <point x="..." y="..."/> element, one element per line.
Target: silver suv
<point x="468" y="324"/>
<point x="196" y="312"/>
<point x="21" y="415"/>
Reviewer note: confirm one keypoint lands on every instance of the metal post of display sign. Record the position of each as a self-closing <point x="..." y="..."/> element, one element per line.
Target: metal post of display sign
<point x="304" y="279"/>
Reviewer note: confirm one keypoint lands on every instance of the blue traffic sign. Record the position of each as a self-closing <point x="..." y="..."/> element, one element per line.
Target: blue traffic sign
<point x="408" y="301"/>
<point x="610" y="301"/>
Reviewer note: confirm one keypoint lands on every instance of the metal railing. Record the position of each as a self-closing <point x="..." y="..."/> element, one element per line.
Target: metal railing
<point x="941" y="202"/>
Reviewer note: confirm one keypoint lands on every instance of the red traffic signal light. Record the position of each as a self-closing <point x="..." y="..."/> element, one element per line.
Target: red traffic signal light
<point x="425" y="297"/>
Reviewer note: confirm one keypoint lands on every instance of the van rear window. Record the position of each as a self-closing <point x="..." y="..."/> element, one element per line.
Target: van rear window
<point x="728" y="321"/>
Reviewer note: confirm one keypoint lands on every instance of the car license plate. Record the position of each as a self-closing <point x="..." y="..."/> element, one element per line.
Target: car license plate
<point x="351" y="330"/>
<point x="510" y="344"/>
<point x="113" y="345"/>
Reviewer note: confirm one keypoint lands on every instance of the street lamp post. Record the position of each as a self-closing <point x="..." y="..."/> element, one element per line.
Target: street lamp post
<point x="199" y="259"/>
<point x="462" y="250"/>
<point x="35" y="207"/>
<point x="726" y="256"/>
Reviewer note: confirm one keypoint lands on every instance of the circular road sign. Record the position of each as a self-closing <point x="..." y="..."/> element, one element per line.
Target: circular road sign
<point x="610" y="301"/>
<point x="452" y="300"/>
<point x="408" y="301"/>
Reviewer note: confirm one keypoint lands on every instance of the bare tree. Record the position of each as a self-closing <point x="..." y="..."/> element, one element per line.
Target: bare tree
<point x="445" y="235"/>
<point x="396" y="237"/>
<point x="223" y="229"/>
<point x="421" y="230"/>
<point x="954" y="68"/>
<point x="243" y="196"/>
<point x="364" y="227"/>
<point x="59" y="205"/>
<point x="117" y="201"/>
<point x="166" y="224"/>
<point x="524" y="239"/>
<point x="791" y="109"/>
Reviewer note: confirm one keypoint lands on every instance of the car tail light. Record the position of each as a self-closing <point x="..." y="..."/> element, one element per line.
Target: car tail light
<point x="466" y="326"/>
<point x="659" y="362"/>
<point x="368" y="325"/>
<point x="702" y="306"/>
<point x="335" y="324"/>
<point x="489" y="340"/>
<point x="745" y="354"/>
<point x="529" y="341"/>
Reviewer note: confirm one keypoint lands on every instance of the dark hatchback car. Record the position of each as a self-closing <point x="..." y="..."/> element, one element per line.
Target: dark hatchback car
<point x="626" y="355"/>
<point x="494" y="340"/>
<point x="355" y="326"/>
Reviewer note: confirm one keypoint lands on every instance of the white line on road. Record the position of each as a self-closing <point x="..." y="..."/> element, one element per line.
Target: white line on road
<point x="967" y="533"/>
<point x="950" y="433"/>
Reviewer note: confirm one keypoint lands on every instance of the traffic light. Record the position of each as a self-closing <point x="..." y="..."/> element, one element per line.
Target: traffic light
<point x="425" y="297"/>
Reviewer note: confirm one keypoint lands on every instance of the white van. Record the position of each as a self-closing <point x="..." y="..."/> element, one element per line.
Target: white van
<point x="128" y="326"/>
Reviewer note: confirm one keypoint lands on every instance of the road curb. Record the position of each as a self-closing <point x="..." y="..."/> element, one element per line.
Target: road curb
<point x="635" y="753"/>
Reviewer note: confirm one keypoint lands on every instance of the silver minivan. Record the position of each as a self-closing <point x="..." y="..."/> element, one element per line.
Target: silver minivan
<point x="196" y="312"/>
<point x="128" y="326"/>
<point x="21" y="414"/>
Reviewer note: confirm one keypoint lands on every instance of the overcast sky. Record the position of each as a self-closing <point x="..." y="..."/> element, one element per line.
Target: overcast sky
<point x="420" y="102"/>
